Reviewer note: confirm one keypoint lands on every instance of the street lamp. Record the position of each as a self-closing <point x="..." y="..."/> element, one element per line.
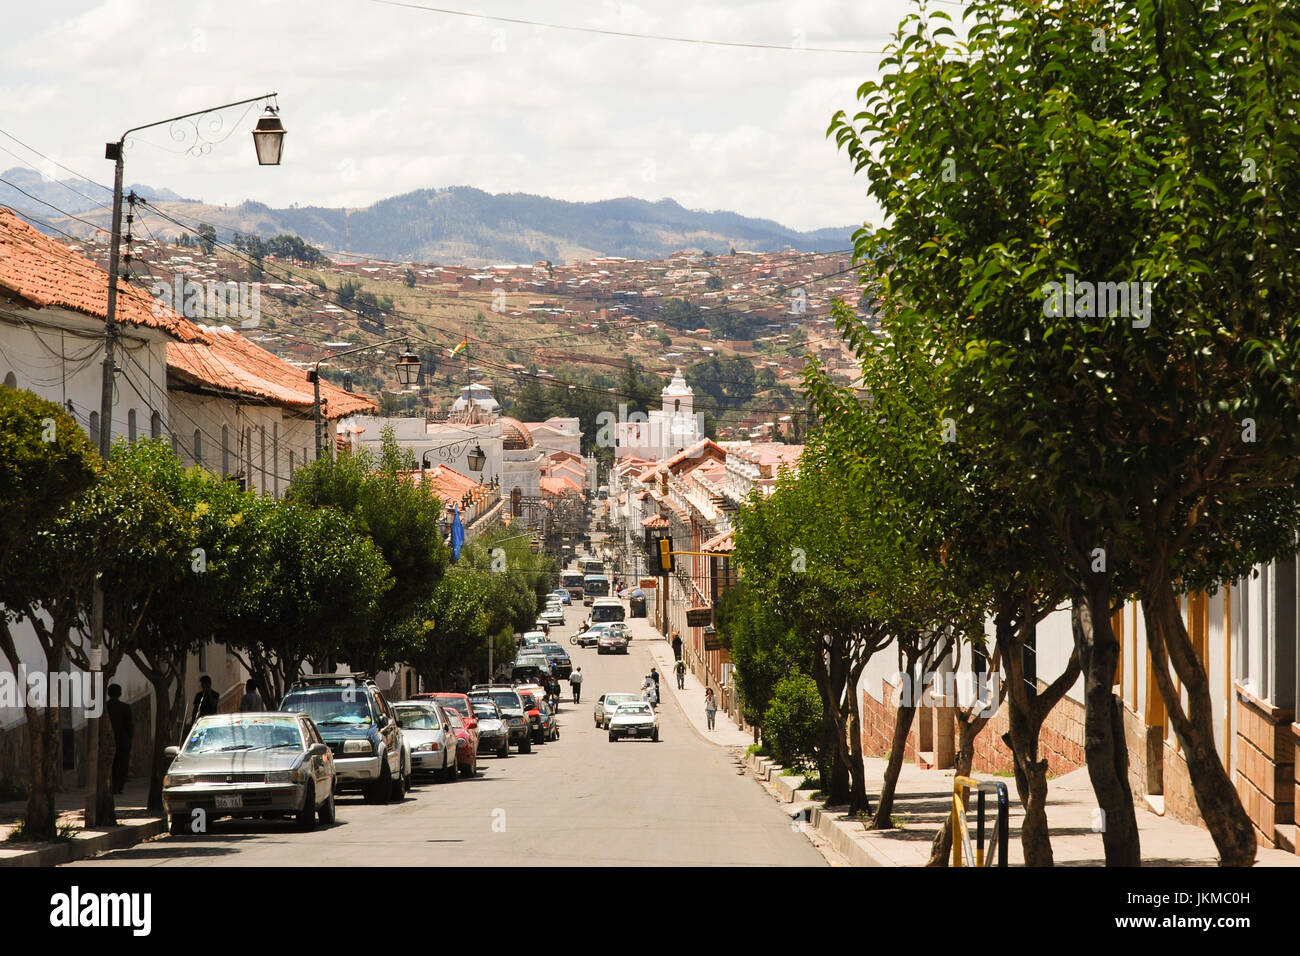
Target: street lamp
<point x="99" y="805"/>
<point x="476" y="458"/>
<point x="408" y="366"/>
<point x="268" y="138"/>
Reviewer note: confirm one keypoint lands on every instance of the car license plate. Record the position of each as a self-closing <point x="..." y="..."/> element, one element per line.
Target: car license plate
<point x="632" y="732"/>
<point x="230" y="803"/>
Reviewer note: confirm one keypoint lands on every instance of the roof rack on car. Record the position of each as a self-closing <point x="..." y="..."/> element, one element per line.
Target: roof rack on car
<point x="357" y="678"/>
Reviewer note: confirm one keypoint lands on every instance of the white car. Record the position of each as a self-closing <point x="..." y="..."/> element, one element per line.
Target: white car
<point x="431" y="736"/>
<point x="606" y="703"/>
<point x="637" y="720"/>
<point x="554" y="616"/>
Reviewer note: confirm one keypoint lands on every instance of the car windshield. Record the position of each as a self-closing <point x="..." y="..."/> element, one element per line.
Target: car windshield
<point x="332" y="707"/>
<point x="529" y="701"/>
<point x="252" y="733"/>
<point x="554" y="650"/>
<point x="454" y="719"/>
<point x="616" y="699"/>
<point x="417" y="718"/>
<point x="507" y="700"/>
<point x="485" y="713"/>
<point x="633" y="709"/>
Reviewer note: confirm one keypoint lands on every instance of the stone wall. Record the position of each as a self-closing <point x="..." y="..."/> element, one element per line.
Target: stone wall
<point x="1266" y="755"/>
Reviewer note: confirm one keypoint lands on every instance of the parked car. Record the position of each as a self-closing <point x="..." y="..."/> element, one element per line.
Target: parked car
<point x="430" y="736"/>
<point x="635" y="719"/>
<point x="606" y="703"/>
<point x="457" y="702"/>
<point x="466" y="745"/>
<point x="493" y="735"/>
<point x="530" y="666"/>
<point x="531" y="696"/>
<point x="542" y="625"/>
<point x="564" y="595"/>
<point x="554" y="616"/>
<point x="550" y="723"/>
<point x="356" y="721"/>
<point x="531" y="638"/>
<point x="611" y="642"/>
<point x="250" y="764"/>
<point x="512" y="709"/>
<point x="559" y="657"/>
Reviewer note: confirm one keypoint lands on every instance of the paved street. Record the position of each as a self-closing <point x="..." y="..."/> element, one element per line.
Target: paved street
<point x="580" y="800"/>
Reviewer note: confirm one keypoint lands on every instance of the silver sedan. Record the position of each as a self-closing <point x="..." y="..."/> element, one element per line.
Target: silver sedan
<point x="249" y="764"/>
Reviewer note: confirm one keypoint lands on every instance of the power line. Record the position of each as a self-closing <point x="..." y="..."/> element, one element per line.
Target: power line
<point x="626" y="34"/>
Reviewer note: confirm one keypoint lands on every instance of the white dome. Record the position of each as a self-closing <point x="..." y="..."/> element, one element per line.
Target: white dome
<point x="677" y="386"/>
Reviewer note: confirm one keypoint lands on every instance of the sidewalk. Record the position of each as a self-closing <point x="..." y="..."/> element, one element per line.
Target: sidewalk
<point x="135" y="825"/>
<point x="691" y="700"/>
<point x="924" y="800"/>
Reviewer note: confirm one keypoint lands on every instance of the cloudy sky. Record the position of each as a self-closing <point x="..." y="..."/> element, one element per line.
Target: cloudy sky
<point x="379" y="100"/>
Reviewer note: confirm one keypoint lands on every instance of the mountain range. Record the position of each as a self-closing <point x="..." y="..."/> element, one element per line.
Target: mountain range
<point x="457" y="224"/>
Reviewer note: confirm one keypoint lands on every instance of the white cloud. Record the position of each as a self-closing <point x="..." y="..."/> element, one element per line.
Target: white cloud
<point x="380" y="100"/>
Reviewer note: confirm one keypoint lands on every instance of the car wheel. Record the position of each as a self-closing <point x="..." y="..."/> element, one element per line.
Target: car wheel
<point x="401" y="784"/>
<point x="327" y="814"/>
<point x="655" y="736"/>
<point x="526" y="746"/>
<point x="178" y="824"/>
<point x="306" y="817"/>
<point x="451" y="771"/>
<point x="381" y="791"/>
<point x="612" y="737"/>
<point x="470" y="771"/>
<point x="504" y="750"/>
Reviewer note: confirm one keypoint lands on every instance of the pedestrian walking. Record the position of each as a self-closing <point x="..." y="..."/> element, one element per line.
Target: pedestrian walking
<point x="206" y="701"/>
<point x="123" y="724"/>
<point x="680" y="667"/>
<point x="710" y="706"/>
<point x="677" y="645"/>
<point x="252" y="700"/>
<point x="575" y="682"/>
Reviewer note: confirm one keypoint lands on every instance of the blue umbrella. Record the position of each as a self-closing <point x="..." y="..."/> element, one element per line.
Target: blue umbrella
<point x="457" y="535"/>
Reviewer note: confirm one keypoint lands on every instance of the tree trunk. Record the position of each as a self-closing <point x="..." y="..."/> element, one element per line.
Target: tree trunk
<point x="859" y="800"/>
<point x="1216" y="798"/>
<point x="162" y="723"/>
<point x="1031" y="782"/>
<point x="835" y="771"/>
<point x="42" y="750"/>
<point x="968" y="728"/>
<point x="1105" y="749"/>
<point x="898" y="745"/>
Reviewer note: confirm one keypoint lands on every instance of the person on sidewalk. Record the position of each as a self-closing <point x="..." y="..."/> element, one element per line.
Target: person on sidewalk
<point x="575" y="682"/>
<point x="710" y="706"/>
<point x="680" y="667"/>
<point x="677" y="645"/>
<point x="251" y="701"/>
<point x="123" y="724"/>
<point x="206" y="701"/>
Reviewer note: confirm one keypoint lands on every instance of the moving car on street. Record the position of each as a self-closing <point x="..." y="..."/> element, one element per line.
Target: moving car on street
<point x="612" y="642"/>
<point x="634" y="720"/>
<point x="607" y="610"/>
<point x="606" y="703"/>
<point x="563" y="594"/>
<point x="430" y="736"/>
<point x="250" y="764"/>
<point x="590" y="637"/>
<point x="356" y="721"/>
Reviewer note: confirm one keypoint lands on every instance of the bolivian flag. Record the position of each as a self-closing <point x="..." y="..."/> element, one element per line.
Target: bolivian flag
<point x="464" y="344"/>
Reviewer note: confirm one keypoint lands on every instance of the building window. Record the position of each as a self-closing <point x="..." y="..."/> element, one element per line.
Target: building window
<point x="198" y="447"/>
<point x="275" y="459"/>
<point x="11" y="380"/>
<point x="94" y="428"/>
<point x="290" y="464"/>
<point x="155" y="425"/>
<point x="130" y="426"/>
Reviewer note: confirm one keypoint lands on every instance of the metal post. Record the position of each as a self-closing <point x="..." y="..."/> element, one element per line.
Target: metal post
<point x="316" y="381"/>
<point x="979" y="831"/>
<point x="105" y="437"/>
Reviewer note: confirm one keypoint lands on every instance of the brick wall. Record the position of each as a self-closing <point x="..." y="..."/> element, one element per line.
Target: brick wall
<point x="1266" y="755"/>
<point x="1060" y="740"/>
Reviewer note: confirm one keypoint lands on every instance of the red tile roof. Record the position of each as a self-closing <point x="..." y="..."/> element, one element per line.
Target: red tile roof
<point x="227" y="362"/>
<point x="654" y="521"/>
<point x="47" y="274"/>
<point x="558" y="485"/>
<point x="720" y="544"/>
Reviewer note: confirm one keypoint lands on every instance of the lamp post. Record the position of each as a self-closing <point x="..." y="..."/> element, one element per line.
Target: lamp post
<point x="408" y="371"/>
<point x="268" y="140"/>
<point x="476" y="458"/>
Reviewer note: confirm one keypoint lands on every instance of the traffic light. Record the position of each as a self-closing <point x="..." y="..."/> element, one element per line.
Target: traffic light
<point x="665" y="555"/>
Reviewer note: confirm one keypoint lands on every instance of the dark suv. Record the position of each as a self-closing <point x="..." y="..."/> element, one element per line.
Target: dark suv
<point x="358" y="725"/>
<point x="512" y="711"/>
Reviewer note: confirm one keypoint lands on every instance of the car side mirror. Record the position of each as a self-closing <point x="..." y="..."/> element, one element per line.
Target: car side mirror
<point x="383" y="720"/>
<point x="472" y="724"/>
<point x="172" y="752"/>
<point x="317" y="750"/>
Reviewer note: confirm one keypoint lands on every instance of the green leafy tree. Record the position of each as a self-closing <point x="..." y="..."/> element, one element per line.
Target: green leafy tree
<point x="1157" y="433"/>
<point x="793" y="720"/>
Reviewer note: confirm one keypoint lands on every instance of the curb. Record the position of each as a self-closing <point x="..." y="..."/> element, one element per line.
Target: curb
<point x="88" y="845"/>
<point x="839" y="835"/>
